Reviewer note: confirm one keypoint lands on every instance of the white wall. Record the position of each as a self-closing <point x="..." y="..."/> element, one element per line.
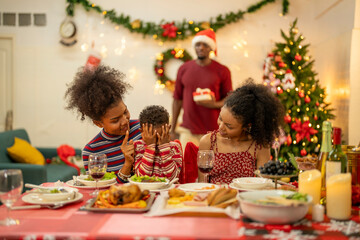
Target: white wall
<point x="43" y="67"/>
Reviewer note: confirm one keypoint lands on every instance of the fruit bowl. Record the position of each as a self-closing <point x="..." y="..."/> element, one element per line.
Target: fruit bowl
<point x="272" y="214"/>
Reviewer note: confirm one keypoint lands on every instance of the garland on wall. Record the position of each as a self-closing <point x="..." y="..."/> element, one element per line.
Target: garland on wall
<point x="170" y="31"/>
<point x="162" y="59"/>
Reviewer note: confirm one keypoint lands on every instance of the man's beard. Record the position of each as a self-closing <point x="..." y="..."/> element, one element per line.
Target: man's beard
<point x="201" y="57"/>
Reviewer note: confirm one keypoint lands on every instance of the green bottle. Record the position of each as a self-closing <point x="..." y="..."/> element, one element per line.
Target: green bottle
<point x="337" y="161"/>
<point x="324" y="152"/>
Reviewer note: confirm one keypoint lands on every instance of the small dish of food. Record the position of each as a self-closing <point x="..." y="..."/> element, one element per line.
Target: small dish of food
<point x="54" y="194"/>
<point x="87" y="180"/>
<point x="251" y="182"/>
<point x="307" y="162"/>
<point x="274" y="206"/>
<point x="149" y="183"/>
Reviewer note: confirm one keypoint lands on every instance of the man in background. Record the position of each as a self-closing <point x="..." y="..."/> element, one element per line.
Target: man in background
<point x="199" y="117"/>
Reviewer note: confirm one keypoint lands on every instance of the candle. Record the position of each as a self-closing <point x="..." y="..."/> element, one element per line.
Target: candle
<point x="338" y="196"/>
<point x="318" y="213"/>
<point x="310" y="183"/>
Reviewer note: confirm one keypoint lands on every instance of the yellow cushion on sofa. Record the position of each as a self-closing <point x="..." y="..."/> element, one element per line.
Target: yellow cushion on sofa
<point x="23" y="152"/>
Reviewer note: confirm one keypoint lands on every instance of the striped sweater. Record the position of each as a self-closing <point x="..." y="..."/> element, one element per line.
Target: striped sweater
<point x="165" y="163"/>
<point x="110" y="145"/>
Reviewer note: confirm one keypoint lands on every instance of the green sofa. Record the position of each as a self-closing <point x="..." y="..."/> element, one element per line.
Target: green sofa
<point x="35" y="174"/>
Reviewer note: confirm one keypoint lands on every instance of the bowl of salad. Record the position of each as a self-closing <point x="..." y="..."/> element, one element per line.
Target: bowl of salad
<point x="108" y="179"/>
<point x="149" y="183"/>
<point x="274" y="206"/>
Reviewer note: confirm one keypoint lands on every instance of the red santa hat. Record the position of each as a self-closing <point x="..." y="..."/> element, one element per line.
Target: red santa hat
<point x="206" y="36"/>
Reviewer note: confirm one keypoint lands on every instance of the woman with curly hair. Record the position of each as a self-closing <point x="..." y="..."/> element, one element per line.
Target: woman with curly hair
<point x="155" y="154"/>
<point x="248" y="123"/>
<point x="98" y="95"/>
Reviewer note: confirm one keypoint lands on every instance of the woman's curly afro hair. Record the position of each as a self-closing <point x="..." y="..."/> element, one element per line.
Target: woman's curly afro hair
<point x="155" y="115"/>
<point x="92" y="93"/>
<point x="255" y="105"/>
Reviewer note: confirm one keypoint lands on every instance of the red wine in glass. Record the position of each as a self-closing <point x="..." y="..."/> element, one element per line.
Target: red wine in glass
<point x="97" y="175"/>
<point x="205" y="169"/>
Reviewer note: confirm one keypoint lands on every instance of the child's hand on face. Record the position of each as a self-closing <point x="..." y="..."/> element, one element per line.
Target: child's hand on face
<point x="127" y="147"/>
<point x="148" y="135"/>
<point x="165" y="135"/>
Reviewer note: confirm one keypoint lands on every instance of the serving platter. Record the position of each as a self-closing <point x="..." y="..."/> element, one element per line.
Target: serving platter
<point x="89" y="206"/>
<point x="159" y="209"/>
<point x="34" y="198"/>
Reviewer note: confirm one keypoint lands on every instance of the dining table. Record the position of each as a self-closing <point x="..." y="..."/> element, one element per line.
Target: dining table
<point x="71" y="221"/>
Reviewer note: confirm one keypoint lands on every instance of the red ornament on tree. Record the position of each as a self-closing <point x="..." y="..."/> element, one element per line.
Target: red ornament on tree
<point x="278" y="58"/>
<point x="316" y="118"/>
<point x="303" y="152"/>
<point x="317" y="104"/>
<point x="288" y="140"/>
<point x="279" y="91"/>
<point x="298" y="57"/>
<point x="282" y="64"/>
<point x="307" y="99"/>
<point x="287" y="118"/>
<point x="301" y="94"/>
<point x="173" y="52"/>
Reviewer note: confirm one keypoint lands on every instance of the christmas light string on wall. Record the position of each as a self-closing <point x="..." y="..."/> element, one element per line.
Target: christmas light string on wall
<point x="170" y="30"/>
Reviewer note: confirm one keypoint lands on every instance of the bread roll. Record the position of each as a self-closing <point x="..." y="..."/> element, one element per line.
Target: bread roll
<point x="221" y="195"/>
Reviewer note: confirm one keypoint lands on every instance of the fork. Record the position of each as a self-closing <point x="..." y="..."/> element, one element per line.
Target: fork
<point x="55" y="206"/>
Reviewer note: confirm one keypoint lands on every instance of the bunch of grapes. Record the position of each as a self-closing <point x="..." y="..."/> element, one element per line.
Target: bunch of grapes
<point x="277" y="168"/>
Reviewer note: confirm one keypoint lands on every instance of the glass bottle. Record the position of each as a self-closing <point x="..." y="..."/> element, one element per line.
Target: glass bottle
<point x="337" y="160"/>
<point x="324" y="152"/>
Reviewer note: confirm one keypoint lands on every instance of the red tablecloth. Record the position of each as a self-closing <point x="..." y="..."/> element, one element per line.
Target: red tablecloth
<point x="69" y="221"/>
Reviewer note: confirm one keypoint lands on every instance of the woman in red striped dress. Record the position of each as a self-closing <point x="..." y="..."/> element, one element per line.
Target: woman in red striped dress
<point x="248" y="122"/>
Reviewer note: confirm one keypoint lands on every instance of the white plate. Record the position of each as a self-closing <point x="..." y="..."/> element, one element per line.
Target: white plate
<point x="71" y="184"/>
<point x="163" y="189"/>
<point x="197" y="187"/>
<point x="82" y="180"/>
<point x="269" y="187"/>
<point x="36" y="199"/>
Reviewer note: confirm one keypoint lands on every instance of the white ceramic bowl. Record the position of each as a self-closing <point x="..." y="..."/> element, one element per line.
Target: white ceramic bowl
<point x="100" y="183"/>
<point x="149" y="185"/>
<point x="61" y="196"/>
<point x="251" y="182"/>
<point x="271" y="214"/>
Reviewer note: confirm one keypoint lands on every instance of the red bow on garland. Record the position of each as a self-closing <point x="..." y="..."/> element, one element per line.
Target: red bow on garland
<point x="303" y="130"/>
<point x="169" y="30"/>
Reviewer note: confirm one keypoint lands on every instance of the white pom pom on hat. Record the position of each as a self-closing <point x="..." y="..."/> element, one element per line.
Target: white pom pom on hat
<point x="206" y="36"/>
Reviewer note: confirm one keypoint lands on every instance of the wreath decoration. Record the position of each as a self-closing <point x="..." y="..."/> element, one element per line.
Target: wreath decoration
<point x="162" y="59"/>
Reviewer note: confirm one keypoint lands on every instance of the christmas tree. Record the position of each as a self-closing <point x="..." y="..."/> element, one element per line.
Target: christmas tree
<point x="288" y="72"/>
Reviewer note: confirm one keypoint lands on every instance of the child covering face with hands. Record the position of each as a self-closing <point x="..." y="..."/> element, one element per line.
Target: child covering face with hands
<point x="155" y="154"/>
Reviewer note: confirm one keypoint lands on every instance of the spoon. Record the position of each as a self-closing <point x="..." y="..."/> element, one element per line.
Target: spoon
<point x="166" y="185"/>
<point x="60" y="189"/>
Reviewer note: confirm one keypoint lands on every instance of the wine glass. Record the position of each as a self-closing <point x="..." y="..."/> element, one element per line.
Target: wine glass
<point x="11" y="185"/>
<point x="205" y="161"/>
<point x="97" y="165"/>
